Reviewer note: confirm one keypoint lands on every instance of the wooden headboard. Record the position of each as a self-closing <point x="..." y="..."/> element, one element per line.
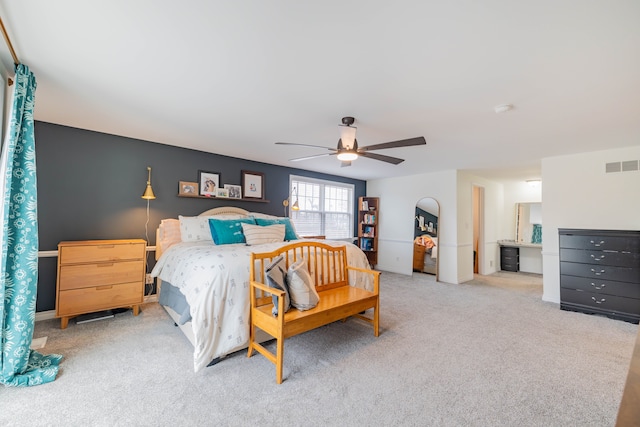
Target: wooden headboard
<point x="225" y="210"/>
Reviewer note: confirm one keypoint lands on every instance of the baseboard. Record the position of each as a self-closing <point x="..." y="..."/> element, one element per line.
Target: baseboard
<point x="45" y="315"/>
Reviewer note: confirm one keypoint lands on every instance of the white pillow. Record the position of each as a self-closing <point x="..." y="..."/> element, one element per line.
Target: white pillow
<point x="257" y="235"/>
<point x="302" y="291"/>
<point x="196" y="228"/>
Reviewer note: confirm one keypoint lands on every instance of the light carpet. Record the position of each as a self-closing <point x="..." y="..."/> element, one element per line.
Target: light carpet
<point x="486" y="353"/>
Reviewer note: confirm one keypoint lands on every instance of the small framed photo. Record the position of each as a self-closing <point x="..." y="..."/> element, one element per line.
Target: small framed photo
<point x="209" y="183"/>
<point x="186" y="188"/>
<point x="235" y="191"/>
<point x="223" y="193"/>
<point x="252" y="185"/>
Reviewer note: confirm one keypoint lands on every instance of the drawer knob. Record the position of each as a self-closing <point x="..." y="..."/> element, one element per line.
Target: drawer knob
<point x="597" y="273"/>
<point x="598" y="287"/>
<point x="597" y="244"/>
<point x="598" y="302"/>
<point x="597" y="259"/>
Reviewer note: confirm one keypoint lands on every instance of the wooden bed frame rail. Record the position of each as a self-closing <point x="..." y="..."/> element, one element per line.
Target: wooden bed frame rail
<point x="338" y="299"/>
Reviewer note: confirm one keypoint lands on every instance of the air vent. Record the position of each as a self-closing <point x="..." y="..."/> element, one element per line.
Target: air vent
<point x="614" y="167"/>
<point x="631" y="165"/>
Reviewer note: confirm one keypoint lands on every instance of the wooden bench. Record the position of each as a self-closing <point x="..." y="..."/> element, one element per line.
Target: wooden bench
<point x="338" y="299"/>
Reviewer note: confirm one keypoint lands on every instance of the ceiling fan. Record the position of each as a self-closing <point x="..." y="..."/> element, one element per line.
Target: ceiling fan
<point x="348" y="150"/>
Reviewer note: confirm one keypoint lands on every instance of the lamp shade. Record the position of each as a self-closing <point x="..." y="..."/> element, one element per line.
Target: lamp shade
<point x="148" y="192"/>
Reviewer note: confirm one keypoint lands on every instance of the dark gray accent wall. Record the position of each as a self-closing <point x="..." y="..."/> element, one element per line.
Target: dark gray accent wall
<point x="427" y="218"/>
<point x="90" y="183"/>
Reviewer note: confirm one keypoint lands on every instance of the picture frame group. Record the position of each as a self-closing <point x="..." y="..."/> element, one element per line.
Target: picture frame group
<point x="208" y="185"/>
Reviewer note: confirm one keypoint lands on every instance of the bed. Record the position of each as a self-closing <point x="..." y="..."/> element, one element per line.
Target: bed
<point x="204" y="286"/>
<point x="425" y="254"/>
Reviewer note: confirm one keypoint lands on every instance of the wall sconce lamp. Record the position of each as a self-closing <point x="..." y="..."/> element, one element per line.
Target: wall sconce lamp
<point x="295" y="206"/>
<point x="148" y="192"/>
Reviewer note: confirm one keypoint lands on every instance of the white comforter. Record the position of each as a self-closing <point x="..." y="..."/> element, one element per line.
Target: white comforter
<point x="215" y="282"/>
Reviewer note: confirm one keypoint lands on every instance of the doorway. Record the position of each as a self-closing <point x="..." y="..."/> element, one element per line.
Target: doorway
<point x="478" y="229"/>
<point x="425" y="236"/>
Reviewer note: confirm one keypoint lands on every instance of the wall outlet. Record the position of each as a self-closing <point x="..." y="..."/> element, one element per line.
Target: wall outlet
<point x="148" y="279"/>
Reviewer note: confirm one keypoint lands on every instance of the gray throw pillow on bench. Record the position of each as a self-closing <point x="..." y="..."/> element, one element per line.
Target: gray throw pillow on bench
<point x="301" y="287"/>
<point x="276" y="273"/>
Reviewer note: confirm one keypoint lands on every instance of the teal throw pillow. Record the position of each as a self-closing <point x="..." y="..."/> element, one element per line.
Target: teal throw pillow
<point x="228" y="231"/>
<point x="289" y="231"/>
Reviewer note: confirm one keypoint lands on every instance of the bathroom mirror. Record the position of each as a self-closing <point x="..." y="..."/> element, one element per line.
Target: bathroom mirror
<point x="529" y="223"/>
<point x="425" y="236"/>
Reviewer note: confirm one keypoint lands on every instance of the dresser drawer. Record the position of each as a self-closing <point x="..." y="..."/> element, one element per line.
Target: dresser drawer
<point x="621" y="259"/>
<point x="508" y="251"/>
<point x="86" y="300"/>
<point x="599" y="242"/>
<point x="619" y="274"/>
<point x="600" y="286"/>
<point x="105" y="273"/>
<point x="608" y="303"/>
<point x="101" y="252"/>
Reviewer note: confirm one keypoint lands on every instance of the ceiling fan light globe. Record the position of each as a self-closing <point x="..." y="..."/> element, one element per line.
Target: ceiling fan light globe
<point x="347" y="156"/>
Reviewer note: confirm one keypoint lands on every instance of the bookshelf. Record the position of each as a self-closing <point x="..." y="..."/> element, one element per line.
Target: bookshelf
<point x="368" y="209"/>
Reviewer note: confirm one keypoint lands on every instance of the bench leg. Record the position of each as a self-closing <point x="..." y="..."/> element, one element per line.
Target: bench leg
<point x="279" y="359"/>
<point x="252" y="334"/>
<point x="376" y="319"/>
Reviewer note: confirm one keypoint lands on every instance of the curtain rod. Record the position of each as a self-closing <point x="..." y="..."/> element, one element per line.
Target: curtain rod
<point x="10" y="46"/>
<point x="6" y="38"/>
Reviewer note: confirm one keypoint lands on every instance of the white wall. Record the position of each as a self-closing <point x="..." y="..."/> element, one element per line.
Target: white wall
<point x="577" y="193"/>
<point x="453" y="191"/>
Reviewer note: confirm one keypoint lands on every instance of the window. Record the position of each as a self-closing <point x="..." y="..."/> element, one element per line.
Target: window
<point x="326" y="207"/>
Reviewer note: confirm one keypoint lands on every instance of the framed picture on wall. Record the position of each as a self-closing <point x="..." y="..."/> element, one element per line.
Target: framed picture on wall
<point x="235" y="191"/>
<point x="223" y="193"/>
<point x="252" y="185"/>
<point x="188" y="188"/>
<point x="209" y="183"/>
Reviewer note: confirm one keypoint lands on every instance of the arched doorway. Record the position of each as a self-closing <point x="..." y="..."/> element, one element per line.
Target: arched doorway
<point x="425" y="236"/>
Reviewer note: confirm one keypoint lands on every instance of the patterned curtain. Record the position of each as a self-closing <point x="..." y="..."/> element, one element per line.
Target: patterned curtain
<point x="19" y="365"/>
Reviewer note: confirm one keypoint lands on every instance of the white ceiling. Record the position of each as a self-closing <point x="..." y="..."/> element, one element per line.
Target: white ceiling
<point x="234" y="77"/>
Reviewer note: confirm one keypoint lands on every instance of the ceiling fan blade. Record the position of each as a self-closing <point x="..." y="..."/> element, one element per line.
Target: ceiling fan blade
<point x="312" y="157"/>
<point x="388" y="159"/>
<point x="305" y="145"/>
<point x="395" y="144"/>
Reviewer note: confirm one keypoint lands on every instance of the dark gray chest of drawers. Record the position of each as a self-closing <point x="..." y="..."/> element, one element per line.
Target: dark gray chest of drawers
<point x="600" y="272"/>
<point x="509" y="258"/>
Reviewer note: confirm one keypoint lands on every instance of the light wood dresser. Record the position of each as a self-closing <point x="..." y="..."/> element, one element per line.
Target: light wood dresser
<point x="96" y="275"/>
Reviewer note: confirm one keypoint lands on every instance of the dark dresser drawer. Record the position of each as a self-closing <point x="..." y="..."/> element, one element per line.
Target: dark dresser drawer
<point x="600" y="242"/>
<point x="621" y="259"/>
<point x="619" y="274"/>
<point x="600" y="286"/>
<point x="610" y="303"/>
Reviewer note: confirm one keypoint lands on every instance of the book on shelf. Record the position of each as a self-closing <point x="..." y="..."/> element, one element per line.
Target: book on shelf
<point x="368" y="231"/>
<point x="366" y="244"/>
<point x="369" y="219"/>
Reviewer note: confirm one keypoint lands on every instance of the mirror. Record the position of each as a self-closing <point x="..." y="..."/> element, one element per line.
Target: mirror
<point x="529" y="223"/>
<point x="425" y="236"/>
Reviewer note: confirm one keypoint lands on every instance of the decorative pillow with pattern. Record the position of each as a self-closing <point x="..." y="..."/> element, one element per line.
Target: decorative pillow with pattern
<point x="228" y="231"/>
<point x="194" y="228"/>
<point x="257" y="234"/>
<point x="276" y="274"/>
<point x="302" y="291"/>
<point x="290" y="231"/>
